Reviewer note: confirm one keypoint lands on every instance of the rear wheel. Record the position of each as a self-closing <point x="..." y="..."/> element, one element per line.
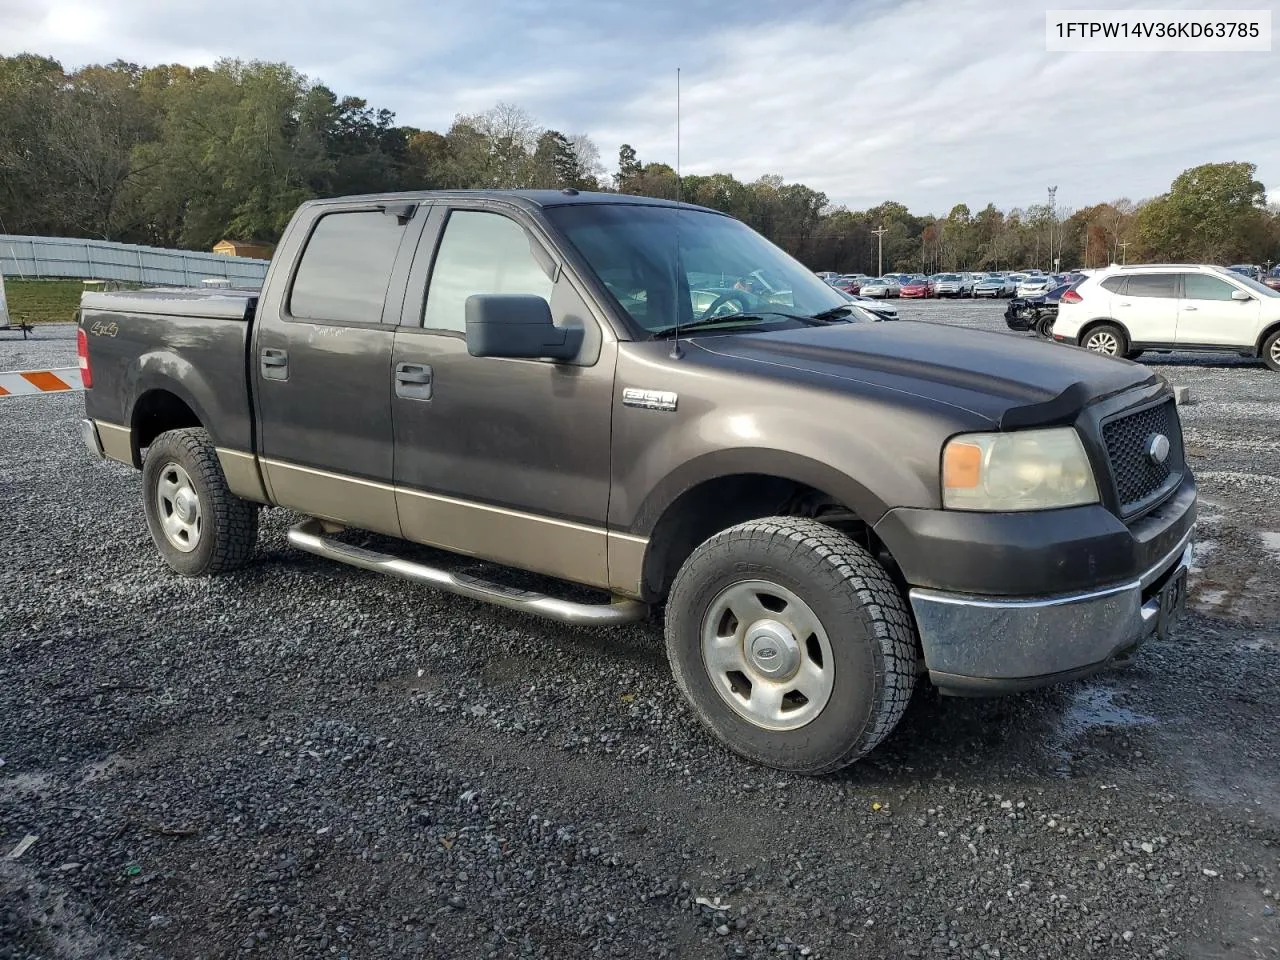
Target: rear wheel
<point x="791" y="643"/>
<point x="1271" y="351"/>
<point x="1045" y="326"/>
<point x="1107" y="339"/>
<point x="199" y="526"/>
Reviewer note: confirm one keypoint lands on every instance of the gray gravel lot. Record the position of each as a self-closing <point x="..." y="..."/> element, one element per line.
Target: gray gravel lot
<point x="304" y="760"/>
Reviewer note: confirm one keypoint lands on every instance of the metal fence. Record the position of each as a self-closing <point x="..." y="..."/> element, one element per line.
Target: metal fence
<point x="47" y="257"/>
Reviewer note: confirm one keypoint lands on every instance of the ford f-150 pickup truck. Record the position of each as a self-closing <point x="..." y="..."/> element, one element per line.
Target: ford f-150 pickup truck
<point x="650" y="400"/>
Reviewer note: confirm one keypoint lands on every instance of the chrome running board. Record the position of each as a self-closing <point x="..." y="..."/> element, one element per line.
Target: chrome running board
<point x="310" y="536"/>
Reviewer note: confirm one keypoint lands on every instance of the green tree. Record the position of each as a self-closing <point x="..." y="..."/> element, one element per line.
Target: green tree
<point x="1213" y="213"/>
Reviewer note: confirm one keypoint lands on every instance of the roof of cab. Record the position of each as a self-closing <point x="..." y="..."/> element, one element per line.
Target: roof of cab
<point x="525" y="198"/>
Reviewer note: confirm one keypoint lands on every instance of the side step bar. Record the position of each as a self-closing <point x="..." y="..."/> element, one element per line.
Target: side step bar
<point x="309" y="536"/>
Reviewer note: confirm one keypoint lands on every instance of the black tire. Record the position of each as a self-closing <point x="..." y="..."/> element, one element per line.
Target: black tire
<point x="226" y="526"/>
<point x="1271" y="351"/>
<point x="1044" y="326"/>
<point x="1107" y="339"/>
<point x="870" y="632"/>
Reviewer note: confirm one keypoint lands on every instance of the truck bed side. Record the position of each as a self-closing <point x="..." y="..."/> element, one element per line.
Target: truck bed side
<point x="163" y="359"/>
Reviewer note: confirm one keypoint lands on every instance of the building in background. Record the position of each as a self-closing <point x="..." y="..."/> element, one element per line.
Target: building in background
<point x="244" y="248"/>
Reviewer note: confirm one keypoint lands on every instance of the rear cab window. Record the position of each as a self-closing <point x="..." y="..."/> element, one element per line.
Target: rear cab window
<point x="345" y="268"/>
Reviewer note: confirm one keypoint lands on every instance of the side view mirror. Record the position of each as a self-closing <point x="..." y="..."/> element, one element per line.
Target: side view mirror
<point x="1240" y="295"/>
<point x="517" y="326"/>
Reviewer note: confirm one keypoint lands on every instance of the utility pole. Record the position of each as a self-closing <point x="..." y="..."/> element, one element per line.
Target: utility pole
<point x="879" y="232"/>
<point x="1053" y="194"/>
<point x="1123" y="245"/>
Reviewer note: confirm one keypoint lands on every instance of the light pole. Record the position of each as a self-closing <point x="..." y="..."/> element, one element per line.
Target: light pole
<point x="879" y="232"/>
<point x="1053" y="194"/>
<point x="1123" y="245"/>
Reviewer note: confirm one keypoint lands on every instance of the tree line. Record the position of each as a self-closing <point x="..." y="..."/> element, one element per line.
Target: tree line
<point x="184" y="157"/>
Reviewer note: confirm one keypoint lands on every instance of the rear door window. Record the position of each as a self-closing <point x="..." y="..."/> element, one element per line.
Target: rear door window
<point x="1114" y="284"/>
<point x="1152" y="285"/>
<point x="345" y="268"/>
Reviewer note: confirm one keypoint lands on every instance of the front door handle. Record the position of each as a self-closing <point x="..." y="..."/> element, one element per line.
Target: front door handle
<point x="413" y="381"/>
<point x="275" y="364"/>
<point x="1190" y="308"/>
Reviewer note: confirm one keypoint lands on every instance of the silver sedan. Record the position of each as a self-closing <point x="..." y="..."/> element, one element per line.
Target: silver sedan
<point x="880" y="288"/>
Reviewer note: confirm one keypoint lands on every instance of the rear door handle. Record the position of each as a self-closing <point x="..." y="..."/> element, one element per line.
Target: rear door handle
<point x="413" y="381"/>
<point x="1190" y="308"/>
<point x="275" y="364"/>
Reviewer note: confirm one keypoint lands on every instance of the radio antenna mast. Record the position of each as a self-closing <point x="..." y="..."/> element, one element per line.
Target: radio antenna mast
<point x="675" y="277"/>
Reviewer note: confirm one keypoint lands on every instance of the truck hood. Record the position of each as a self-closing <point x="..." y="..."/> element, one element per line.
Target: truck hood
<point x="1010" y="381"/>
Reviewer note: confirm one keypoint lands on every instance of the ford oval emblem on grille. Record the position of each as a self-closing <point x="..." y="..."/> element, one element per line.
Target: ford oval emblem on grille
<point x="1157" y="448"/>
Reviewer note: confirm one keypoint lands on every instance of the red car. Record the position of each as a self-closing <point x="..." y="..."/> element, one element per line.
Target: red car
<point x="917" y="287"/>
<point x="849" y="286"/>
<point x="1272" y="280"/>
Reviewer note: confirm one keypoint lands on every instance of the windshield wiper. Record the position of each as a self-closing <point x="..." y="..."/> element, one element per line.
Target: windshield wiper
<point x="726" y="321"/>
<point x="835" y="313"/>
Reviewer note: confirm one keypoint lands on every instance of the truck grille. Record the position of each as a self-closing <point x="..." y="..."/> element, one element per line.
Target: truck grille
<point x="1138" y="478"/>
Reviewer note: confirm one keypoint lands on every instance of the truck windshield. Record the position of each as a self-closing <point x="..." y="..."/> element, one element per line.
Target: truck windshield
<point x="657" y="260"/>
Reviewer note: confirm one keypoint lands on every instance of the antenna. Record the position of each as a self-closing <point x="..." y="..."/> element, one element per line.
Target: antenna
<point x="675" y="272"/>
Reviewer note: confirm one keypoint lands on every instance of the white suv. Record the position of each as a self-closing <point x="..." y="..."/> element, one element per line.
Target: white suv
<point x="1123" y="311"/>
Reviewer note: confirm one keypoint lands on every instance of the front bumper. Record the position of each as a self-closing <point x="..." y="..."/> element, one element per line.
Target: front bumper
<point x="979" y="646"/>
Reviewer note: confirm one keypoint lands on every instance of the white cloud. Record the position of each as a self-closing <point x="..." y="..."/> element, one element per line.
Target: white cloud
<point x="930" y="102"/>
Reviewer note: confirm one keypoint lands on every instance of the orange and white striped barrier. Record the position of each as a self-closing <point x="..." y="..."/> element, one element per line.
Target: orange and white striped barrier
<point x="23" y="383"/>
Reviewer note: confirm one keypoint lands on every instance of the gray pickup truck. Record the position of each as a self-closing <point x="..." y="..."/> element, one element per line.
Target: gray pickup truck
<point x="652" y="401"/>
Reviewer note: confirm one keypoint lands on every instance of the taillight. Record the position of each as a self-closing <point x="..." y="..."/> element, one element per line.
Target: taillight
<point x="82" y="352"/>
<point x="1072" y="297"/>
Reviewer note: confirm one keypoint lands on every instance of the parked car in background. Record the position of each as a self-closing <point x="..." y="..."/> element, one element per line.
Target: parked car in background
<point x="994" y="286"/>
<point x="827" y="275"/>
<point x="1034" y="286"/>
<point x="881" y="287"/>
<point x="952" y="285"/>
<point x="1036" y="313"/>
<point x="850" y="282"/>
<point x="1122" y="311"/>
<point x="1272" y="279"/>
<point x="881" y="309"/>
<point x="1249" y="270"/>
<point x="916" y="288"/>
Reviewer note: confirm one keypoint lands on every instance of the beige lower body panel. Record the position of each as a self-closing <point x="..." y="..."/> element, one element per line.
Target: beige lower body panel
<point x="556" y="548"/>
<point x="626" y="563"/>
<point x="243" y="476"/>
<point x="117" y="441"/>
<point x="349" y="501"/>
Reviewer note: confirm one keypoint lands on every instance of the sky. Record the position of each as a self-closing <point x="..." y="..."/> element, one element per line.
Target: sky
<point x="927" y="102"/>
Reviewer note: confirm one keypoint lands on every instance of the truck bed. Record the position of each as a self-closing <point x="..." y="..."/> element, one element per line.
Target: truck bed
<point x="152" y="349"/>
<point x="213" y="304"/>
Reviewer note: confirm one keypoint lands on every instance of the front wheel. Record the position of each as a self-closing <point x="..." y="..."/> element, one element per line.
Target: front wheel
<point x="791" y="643"/>
<point x="199" y="526"/>
<point x="1271" y="351"/>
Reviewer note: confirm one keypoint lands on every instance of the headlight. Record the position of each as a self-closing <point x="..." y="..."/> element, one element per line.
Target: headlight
<point x="1022" y="470"/>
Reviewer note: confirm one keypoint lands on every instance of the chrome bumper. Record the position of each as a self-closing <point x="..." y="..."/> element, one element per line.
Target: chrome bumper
<point x="985" y="645"/>
<point x="89" y="433"/>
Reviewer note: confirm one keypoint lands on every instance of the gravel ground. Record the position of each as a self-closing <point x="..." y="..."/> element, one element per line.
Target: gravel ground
<point x="304" y="760"/>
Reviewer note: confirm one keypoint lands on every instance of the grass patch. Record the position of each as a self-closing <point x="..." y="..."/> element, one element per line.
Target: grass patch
<point x="43" y="301"/>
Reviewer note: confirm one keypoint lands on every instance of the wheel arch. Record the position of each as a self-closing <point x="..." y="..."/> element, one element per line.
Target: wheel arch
<point x="715" y="503"/>
<point x="1266" y="334"/>
<point x="158" y="410"/>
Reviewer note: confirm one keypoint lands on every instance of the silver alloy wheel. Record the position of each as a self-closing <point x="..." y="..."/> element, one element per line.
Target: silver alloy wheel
<point x="178" y="507"/>
<point x="1101" y="341"/>
<point x="767" y="655"/>
<point x="1275" y="351"/>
